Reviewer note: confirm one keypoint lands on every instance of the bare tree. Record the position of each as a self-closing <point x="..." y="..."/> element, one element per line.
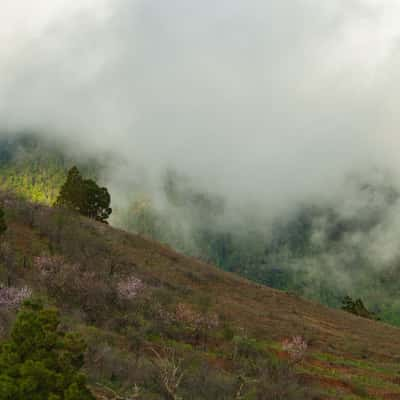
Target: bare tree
<point x="170" y="373"/>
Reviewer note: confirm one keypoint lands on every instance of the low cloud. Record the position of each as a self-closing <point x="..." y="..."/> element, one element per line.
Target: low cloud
<point x="270" y="104"/>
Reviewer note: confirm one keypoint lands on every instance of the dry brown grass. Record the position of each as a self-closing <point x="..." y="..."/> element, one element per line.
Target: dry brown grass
<point x="268" y="314"/>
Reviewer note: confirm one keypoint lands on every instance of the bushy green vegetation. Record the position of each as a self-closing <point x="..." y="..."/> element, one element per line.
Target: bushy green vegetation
<point x="39" y="361"/>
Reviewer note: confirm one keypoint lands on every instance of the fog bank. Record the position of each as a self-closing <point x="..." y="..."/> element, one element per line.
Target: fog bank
<point x="266" y="103"/>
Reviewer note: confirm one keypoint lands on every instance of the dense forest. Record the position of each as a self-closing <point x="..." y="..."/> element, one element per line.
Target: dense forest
<point x="313" y="253"/>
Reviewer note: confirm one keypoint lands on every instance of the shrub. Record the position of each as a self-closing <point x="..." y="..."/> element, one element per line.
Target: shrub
<point x="278" y="381"/>
<point x="12" y="297"/>
<point x="39" y="361"/>
<point x="3" y="225"/>
<point x="296" y="347"/>
<point x="200" y="324"/>
<point x="245" y="347"/>
<point x="8" y="260"/>
<point x="129" y="288"/>
<point x="206" y="383"/>
<point x="83" y="289"/>
<point x="228" y="332"/>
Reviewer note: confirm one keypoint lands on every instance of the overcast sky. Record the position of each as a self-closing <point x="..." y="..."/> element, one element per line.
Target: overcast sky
<point x="275" y="101"/>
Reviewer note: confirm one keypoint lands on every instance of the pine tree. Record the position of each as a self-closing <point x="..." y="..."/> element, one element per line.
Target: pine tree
<point x="357" y="307"/>
<point x="40" y="362"/>
<point x="72" y="192"/>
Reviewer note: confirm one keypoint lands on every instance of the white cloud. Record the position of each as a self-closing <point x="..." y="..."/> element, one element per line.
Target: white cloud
<point x="262" y="101"/>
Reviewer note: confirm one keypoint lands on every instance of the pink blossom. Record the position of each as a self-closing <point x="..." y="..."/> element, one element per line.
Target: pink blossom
<point x="184" y="313"/>
<point x="48" y="264"/>
<point x="51" y="265"/>
<point x="130" y="288"/>
<point x="14" y="297"/>
<point x="296" y="347"/>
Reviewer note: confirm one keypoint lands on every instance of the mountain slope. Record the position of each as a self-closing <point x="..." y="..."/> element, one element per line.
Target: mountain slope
<point x="348" y="357"/>
<point x="320" y="252"/>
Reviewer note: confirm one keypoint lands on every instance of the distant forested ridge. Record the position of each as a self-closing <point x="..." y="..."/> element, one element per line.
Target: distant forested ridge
<point x="31" y="169"/>
<point x="317" y="252"/>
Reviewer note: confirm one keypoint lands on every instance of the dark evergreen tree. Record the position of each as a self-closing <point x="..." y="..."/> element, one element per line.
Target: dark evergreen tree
<point x="95" y="201"/>
<point x="40" y="362"/>
<point x="72" y="192"/>
<point x="357" y="307"/>
<point x="84" y="196"/>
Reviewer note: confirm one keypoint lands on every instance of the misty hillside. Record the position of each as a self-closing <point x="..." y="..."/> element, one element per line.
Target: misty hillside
<point x="199" y="200"/>
<point x="142" y="308"/>
<point x="321" y="251"/>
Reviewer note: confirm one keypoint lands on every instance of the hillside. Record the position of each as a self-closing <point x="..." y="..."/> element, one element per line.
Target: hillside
<point x="132" y="298"/>
<point x="320" y="252"/>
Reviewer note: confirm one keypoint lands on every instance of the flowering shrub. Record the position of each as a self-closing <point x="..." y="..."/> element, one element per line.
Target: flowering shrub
<point x="162" y="315"/>
<point x="48" y="265"/>
<point x="296" y="347"/>
<point x="58" y="274"/>
<point x="187" y="315"/>
<point x="130" y="288"/>
<point x="194" y="319"/>
<point x="71" y="284"/>
<point x="211" y="321"/>
<point x="14" y="297"/>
